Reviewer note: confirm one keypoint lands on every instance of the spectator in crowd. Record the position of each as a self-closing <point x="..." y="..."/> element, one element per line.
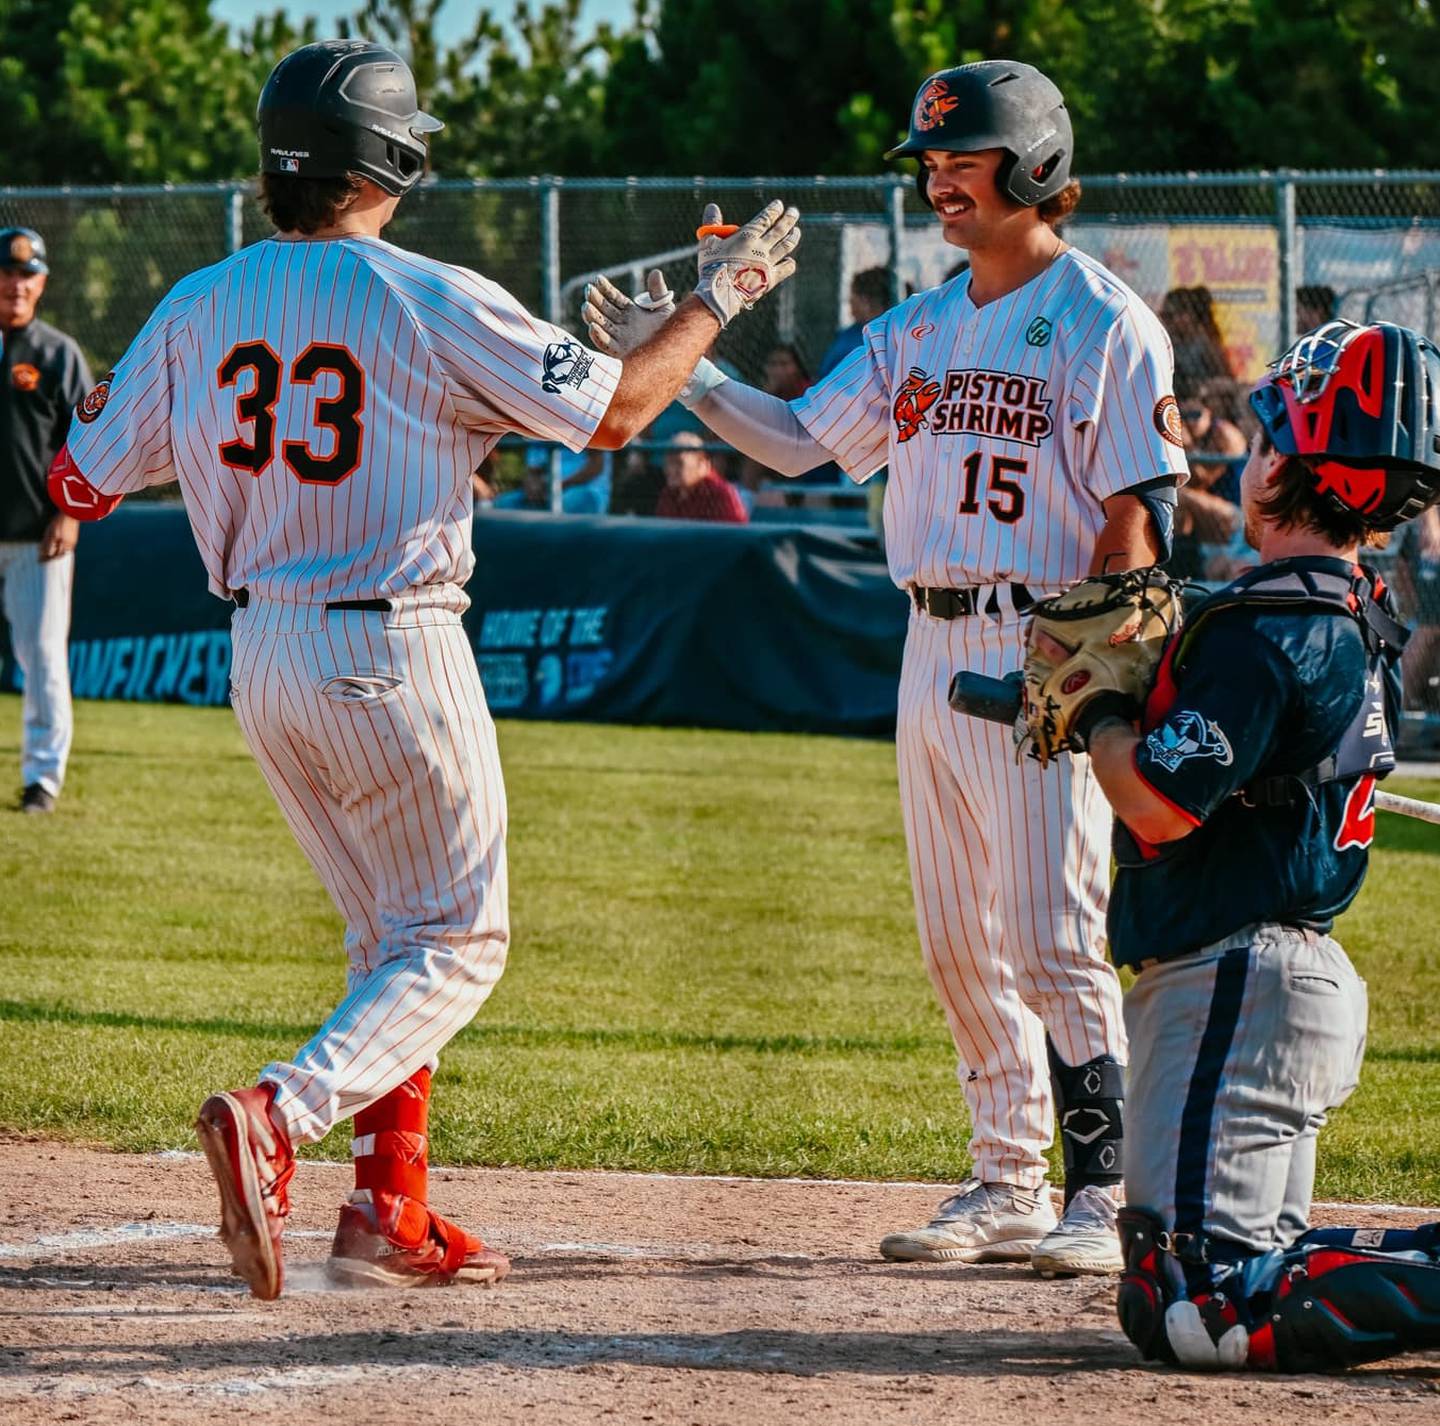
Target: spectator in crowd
<point x="694" y="489"/>
<point x="43" y="377"/>
<point x="1209" y="528"/>
<point x="869" y="297"/>
<point x="584" y="482"/>
<point x="786" y="375"/>
<point x="1417" y="583"/>
<point x="638" y="483"/>
<point x="1314" y="306"/>
<point x="1188" y="314"/>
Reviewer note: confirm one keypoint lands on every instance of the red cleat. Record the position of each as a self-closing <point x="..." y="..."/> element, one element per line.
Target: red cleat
<point x="251" y="1158"/>
<point x="402" y="1243"/>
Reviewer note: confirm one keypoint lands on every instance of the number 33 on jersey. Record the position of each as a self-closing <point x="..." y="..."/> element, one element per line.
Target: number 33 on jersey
<point x="1005" y="427"/>
<point x="337" y="465"/>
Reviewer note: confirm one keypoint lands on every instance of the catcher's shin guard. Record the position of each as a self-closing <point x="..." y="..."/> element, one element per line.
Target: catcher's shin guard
<point x="1089" y="1105"/>
<point x="1146" y="1287"/>
<point x="1336" y="1308"/>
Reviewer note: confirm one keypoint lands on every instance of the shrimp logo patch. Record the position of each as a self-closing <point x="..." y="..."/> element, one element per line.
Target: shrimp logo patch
<point x="1187" y="735"/>
<point x="1167" y="420"/>
<point x="934" y="102"/>
<point x="917" y="394"/>
<point x="565" y="364"/>
<point x="24" y="377"/>
<point x="93" y="403"/>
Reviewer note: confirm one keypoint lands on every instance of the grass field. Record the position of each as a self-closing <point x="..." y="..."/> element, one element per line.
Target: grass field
<point x="714" y="965"/>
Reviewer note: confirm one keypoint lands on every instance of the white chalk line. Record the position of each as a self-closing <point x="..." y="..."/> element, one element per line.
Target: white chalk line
<point x="907" y="1185"/>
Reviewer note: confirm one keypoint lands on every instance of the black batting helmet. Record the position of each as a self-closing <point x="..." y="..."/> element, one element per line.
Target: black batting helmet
<point x="344" y="106"/>
<point x="1361" y="406"/>
<point x="996" y="104"/>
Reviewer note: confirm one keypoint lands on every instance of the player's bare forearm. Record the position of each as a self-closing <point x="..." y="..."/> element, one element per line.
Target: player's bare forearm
<point x="1112" y="746"/>
<point x="654" y="373"/>
<point x="1128" y="539"/>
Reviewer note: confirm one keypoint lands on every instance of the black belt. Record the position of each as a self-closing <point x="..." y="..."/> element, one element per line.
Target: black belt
<point x="962" y="603"/>
<point x="377" y="606"/>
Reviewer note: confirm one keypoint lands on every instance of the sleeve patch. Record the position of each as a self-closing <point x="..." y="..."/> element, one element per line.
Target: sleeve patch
<point x="1167" y="421"/>
<point x="94" y="402"/>
<point x="564" y="364"/>
<point x="1186" y="735"/>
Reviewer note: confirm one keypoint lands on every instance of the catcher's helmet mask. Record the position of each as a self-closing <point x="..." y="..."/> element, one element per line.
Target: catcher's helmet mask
<point x="1360" y="405"/>
<point x="995" y="104"/>
<point x="344" y="106"/>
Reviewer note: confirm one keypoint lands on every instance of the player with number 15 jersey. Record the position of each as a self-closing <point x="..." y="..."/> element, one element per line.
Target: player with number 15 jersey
<point x="1025" y="412"/>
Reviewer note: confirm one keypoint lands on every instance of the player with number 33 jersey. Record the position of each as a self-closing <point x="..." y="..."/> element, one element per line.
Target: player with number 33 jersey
<point x="322" y="398"/>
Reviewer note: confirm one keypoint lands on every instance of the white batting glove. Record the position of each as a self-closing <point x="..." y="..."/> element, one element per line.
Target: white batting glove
<point x="738" y="266"/>
<point x="618" y="324"/>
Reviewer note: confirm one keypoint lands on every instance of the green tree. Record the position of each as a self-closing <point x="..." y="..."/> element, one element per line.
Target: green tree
<point x="128" y="91"/>
<point x="751" y="87"/>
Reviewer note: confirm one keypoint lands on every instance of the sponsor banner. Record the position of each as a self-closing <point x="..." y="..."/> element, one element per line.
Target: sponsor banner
<point x="767" y="628"/>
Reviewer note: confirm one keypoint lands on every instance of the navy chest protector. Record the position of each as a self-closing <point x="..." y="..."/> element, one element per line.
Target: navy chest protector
<point x="1367" y="744"/>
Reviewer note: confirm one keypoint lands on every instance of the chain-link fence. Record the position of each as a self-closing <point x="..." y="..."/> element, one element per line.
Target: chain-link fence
<point x="1235" y="263"/>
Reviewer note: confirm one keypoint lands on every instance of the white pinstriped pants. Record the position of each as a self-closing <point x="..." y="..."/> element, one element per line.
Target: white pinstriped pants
<point x="1010" y="866"/>
<point x="37" y="607"/>
<point x="372" y="731"/>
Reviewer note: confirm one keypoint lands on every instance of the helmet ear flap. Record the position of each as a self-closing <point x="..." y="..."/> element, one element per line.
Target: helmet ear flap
<point x="921" y="180"/>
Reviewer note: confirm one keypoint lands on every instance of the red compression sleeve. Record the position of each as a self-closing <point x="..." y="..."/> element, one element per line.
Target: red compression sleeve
<point x="73" y="494"/>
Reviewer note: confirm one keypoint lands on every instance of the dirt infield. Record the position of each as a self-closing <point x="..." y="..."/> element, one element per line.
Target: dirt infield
<point x="633" y="1299"/>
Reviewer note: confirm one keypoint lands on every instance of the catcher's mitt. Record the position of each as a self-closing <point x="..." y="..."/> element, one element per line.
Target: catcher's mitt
<point x="1091" y="652"/>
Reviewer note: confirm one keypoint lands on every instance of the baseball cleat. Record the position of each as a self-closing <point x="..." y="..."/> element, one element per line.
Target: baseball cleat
<point x="980" y="1223"/>
<point x="253" y="1162"/>
<point x="37" y="799"/>
<point x="1084" y="1241"/>
<point x="403" y="1243"/>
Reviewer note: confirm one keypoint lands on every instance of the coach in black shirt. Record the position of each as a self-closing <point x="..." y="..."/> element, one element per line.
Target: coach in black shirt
<point x="43" y="376"/>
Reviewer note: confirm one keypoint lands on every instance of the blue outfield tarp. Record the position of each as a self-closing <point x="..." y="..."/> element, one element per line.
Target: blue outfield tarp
<point x="756" y="628"/>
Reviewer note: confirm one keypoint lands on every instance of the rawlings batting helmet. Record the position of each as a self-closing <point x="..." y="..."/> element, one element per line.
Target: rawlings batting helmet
<point x="1361" y="405"/>
<point x="996" y="104"/>
<point x="344" y="106"/>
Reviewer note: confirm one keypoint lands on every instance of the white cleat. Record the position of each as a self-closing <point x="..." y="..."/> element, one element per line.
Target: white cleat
<point x="1084" y="1240"/>
<point x="979" y="1223"/>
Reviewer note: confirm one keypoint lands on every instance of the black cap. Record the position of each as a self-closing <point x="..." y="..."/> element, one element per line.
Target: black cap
<point x="22" y="250"/>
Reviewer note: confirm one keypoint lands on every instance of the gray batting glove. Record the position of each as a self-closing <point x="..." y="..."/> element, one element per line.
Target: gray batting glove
<point x="738" y="266"/>
<point x="618" y="324"/>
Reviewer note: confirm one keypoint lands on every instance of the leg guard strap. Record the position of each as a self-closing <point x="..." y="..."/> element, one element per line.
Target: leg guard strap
<point x="1147" y="1286"/>
<point x="1089" y="1102"/>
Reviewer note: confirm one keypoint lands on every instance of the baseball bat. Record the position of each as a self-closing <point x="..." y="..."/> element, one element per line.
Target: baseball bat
<point x="997" y="700"/>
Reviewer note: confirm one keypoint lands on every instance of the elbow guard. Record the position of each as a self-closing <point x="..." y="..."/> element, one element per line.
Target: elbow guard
<point x="74" y="495"/>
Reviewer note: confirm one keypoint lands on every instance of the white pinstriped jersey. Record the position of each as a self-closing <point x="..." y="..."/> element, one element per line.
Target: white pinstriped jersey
<point x="1004" y="426"/>
<point x="323" y="405"/>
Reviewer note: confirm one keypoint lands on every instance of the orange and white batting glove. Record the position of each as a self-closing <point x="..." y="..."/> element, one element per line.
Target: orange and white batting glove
<point x="737" y="270"/>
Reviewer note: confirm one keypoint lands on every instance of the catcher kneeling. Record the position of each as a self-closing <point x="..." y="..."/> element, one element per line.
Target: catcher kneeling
<point x="1243" y="785"/>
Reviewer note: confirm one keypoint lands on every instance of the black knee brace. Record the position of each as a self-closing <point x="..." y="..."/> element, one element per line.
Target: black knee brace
<point x="1089" y="1102"/>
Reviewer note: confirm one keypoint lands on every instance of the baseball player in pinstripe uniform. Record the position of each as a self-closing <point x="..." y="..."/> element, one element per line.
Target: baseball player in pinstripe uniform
<point x="1025" y="412"/>
<point x="322" y="398"/>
